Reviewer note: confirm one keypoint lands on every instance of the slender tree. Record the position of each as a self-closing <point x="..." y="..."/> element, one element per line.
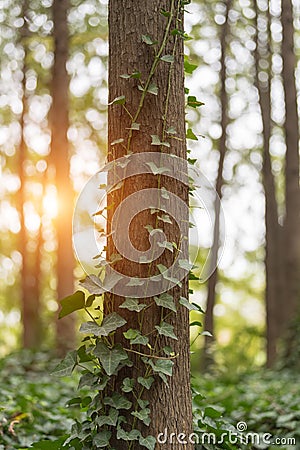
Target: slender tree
<point x="60" y="159"/>
<point x="292" y="190"/>
<point x="212" y="282"/>
<point x="30" y="298"/>
<point x="154" y="99"/>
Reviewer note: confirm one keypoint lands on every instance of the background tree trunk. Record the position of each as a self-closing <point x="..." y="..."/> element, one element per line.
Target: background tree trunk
<point x="292" y="192"/>
<point x="65" y="332"/>
<point x="30" y="300"/>
<point x="128" y="21"/>
<point x="207" y="357"/>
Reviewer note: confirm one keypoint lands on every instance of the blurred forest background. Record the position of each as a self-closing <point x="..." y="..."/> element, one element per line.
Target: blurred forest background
<point x="242" y="64"/>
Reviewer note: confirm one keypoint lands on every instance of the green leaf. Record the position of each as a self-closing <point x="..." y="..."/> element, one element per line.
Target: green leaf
<point x="143" y="415"/>
<point x="164" y="366"/>
<point x="128" y="384"/>
<point x="110" y="358"/>
<point x="185" y="264"/>
<point x="110" y="323"/>
<point x="167" y="245"/>
<point x="191" y="135"/>
<point x="102" y="439"/>
<point x="143" y="403"/>
<point x="148" y="40"/>
<point x="148" y="442"/>
<point x="135" y="126"/>
<point x="146" y="382"/>
<point x="49" y="445"/>
<point x="167" y="58"/>
<point x="131" y="333"/>
<point x="193" y="102"/>
<point x="154" y="169"/>
<point x="164" y="193"/>
<point x="132" y="304"/>
<point x="117" y="401"/>
<point x="132" y="435"/>
<point x="188" y="67"/>
<point x="206" y="333"/>
<point x="171" y="130"/>
<point x="118" y="100"/>
<point x="142" y="340"/>
<point x="72" y="303"/>
<point x="165" y="13"/>
<point x="157" y="141"/>
<point x="184" y="302"/>
<point x="153" y="89"/>
<point x="110" y="419"/>
<point x="166" y="329"/>
<point x="166" y="301"/>
<point x="93" y="284"/>
<point x="67" y="365"/>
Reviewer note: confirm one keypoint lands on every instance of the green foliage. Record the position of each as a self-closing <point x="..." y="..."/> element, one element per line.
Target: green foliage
<point x="33" y="411"/>
<point x="268" y="402"/>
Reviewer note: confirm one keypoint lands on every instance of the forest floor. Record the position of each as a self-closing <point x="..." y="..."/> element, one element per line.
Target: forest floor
<point x="256" y="410"/>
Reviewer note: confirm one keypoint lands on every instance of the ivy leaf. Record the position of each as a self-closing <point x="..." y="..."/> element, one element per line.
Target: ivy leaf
<point x="148" y="40"/>
<point x="165" y="13"/>
<point x="117" y="401"/>
<point x="167" y="58"/>
<point x="102" y="439"/>
<point x="89" y="301"/>
<point x="131" y="333"/>
<point x="164" y="366"/>
<point x="148" y="442"/>
<point x="154" y="169"/>
<point x="166" y="301"/>
<point x="143" y="415"/>
<point x="146" y="382"/>
<point x="166" y="329"/>
<point x="128" y="384"/>
<point x="93" y="284"/>
<point x="164" y="193"/>
<point x="157" y="141"/>
<point x="72" y="303"/>
<point x="191" y="135"/>
<point x="188" y="67"/>
<point x="132" y="435"/>
<point x="185" y="264"/>
<point x="67" y="365"/>
<point x="118" y="100"/>
<point x="110" y="358"/>
<point x="110" y="419"/>
<point x="110" y="323"/>
<point x="132" y="304"/>
<point x="171" y="130"/>
<point x="143" y="403"/>
<point x="135" y="126"/>
<point x="142" y="340"/>
<point x="193" y="102"/>
<point x="184" y="302"/>
<point x="167" y="245"/>
<point x="153" y="89"/>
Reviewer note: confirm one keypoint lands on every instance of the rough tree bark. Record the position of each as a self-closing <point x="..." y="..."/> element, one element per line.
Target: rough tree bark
<point x="207" y="358"/>
<point x="65" y="331"/>
<point x="292" y="190"/>
<point x="128" y="21"/>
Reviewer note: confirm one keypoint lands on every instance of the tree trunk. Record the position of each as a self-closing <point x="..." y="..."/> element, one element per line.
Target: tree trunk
<point x="65" y="331"/>
<point x="30" y="302"/>
<point x="212" y="282"/>
<point x="292" y="193"/>
<point x="129" y="52"/>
